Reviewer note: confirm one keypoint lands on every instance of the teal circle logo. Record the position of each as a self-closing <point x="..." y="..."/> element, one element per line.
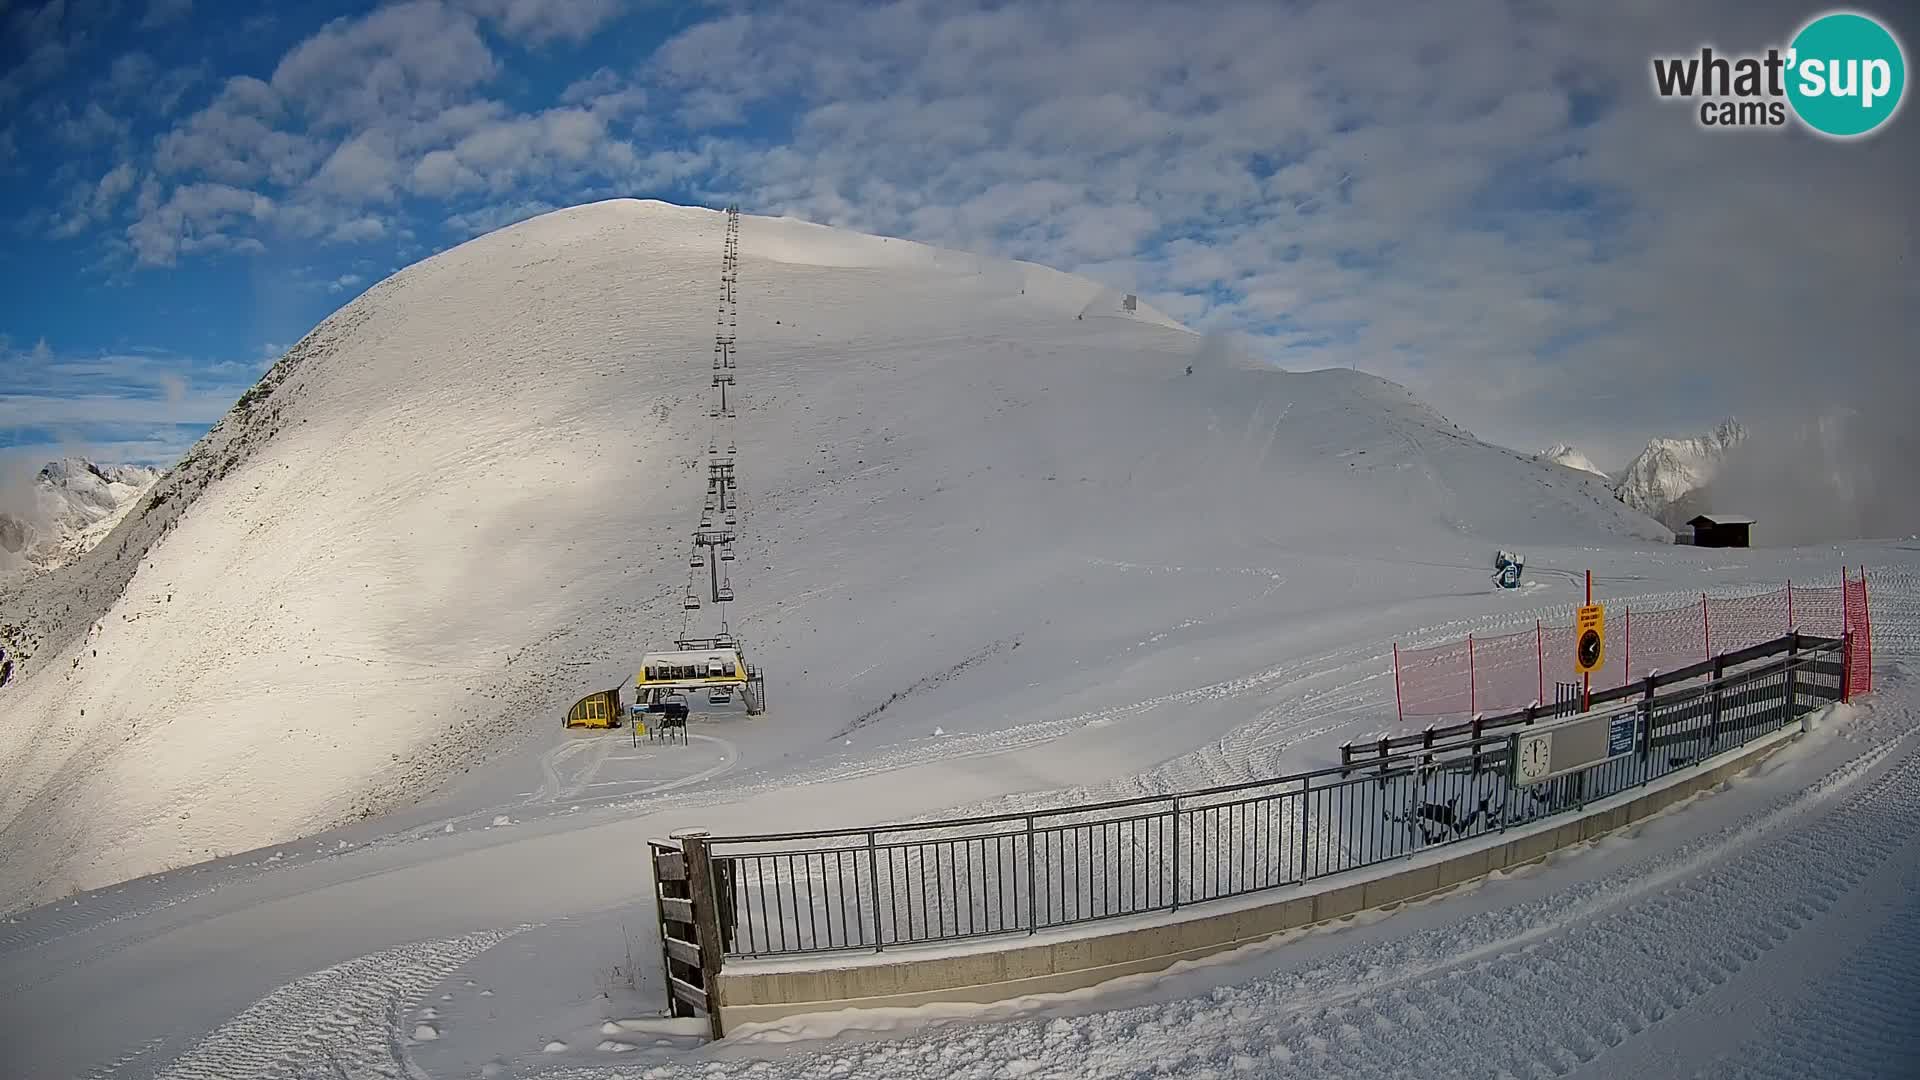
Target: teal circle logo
<point x="1846" y="74"/>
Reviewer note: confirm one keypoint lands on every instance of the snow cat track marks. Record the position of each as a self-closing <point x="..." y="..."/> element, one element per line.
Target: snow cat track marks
<point x="1853" y="1021"/>
<point x="339" y="1021"/>
<point x="1721" y="918"/>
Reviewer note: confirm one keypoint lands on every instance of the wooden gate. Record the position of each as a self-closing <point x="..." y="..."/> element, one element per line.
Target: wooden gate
<point x="690" y="899"/>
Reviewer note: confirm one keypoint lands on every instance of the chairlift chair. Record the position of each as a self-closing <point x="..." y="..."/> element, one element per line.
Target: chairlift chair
<point x="726" y="554"/>
<point x="699" y="560"/>
<point x="724" y="593"/>
<point x="693" y="600"/>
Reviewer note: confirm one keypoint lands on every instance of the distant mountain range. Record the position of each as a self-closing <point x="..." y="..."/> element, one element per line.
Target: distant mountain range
<point x="71" y="505"/>
<point x="1668" y="480"/>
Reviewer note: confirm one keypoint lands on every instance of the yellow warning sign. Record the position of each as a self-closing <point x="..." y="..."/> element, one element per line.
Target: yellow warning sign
<point x="1589" y="638"/>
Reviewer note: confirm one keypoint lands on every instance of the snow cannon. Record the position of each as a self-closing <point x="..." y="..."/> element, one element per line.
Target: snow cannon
<point x="1506" y="569"/>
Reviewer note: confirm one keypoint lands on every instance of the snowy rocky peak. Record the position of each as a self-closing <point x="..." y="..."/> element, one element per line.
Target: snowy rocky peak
<point x="71" y="505"/>
<point x="85" y="486"/>
<point x="1562" y="454"/>
<point x="1660" y="477"/>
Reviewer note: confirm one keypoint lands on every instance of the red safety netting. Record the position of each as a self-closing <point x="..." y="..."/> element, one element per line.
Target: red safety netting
<point x="1741" y="621"/>
<point x="1818" y="611"/>
<point x="1435" y="681"/>
<point x="1859" y="623"/>
<point x="1506" y="671"/>
<point x="1512" y="671"/>
<point x="1664" y="640"/>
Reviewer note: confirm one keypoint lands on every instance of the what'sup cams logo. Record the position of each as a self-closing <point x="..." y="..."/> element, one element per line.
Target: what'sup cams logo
<point x="1843" y="76"/>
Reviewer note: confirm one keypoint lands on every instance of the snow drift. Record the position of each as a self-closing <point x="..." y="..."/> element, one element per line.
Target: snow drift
<point x="463" y="500"/>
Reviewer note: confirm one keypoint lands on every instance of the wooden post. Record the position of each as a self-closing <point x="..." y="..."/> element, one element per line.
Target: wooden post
<point x="1646" y="719"/>
<point x="706" y="915"/>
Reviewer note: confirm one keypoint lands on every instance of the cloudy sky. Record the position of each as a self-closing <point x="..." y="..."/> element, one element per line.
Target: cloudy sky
<point x="1480" y="199"/>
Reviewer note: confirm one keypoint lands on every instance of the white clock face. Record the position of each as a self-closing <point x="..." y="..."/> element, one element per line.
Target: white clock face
<point x="1535" y="754"/>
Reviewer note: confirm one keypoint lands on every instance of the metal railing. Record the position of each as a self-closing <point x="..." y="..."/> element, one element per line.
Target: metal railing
<point x="875" y="888"/>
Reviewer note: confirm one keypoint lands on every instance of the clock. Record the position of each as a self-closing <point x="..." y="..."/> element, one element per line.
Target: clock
<point x="1532" y="757"/>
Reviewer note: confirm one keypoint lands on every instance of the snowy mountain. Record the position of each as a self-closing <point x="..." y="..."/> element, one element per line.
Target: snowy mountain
<point x="69" y="507"/>
<point x="972" y="490"/>
<point x="1562" y="454"/>
<point x="1662" y="480"/>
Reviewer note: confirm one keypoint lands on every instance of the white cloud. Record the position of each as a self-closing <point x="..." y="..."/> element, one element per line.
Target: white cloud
<point x="403" y="62"/>
<point x="538" y="22"/>
<point x="363" y="168"/>
<point x="198" y="217"/>
<point x="89" y="126"/>
<point x="91" y="202"/>
<point x="343" y="283"/>
<point x="235" y="140"/>
<point x="1419" y="206"/>
<point x="165" y="13"/>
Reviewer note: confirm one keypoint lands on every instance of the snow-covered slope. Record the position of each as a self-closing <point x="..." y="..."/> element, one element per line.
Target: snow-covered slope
<point x="1562" y="454"/>
<point x="1659" y="479"/>
<point x="463" y="501"/>
<point x="69" y="507"/>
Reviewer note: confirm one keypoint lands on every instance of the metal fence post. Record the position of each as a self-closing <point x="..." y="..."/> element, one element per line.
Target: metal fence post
<point x="1305" y="837"/>
<point x="1033" y="877"/>
<point x="873" y="886"/>
<point x="1793" y="684"/>
<point x="1176" y="852"/>
<point x="1717" y="698"/>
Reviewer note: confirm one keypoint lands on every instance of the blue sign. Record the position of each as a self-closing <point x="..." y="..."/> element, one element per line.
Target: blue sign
<point x="1620" y="732"/>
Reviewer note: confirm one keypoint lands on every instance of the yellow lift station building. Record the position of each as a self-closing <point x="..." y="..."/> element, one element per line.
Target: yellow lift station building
<point x="600" y="709"/>
<point x="700" y="664"/>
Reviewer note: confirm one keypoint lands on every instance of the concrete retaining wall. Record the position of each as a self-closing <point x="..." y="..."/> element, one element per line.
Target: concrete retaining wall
<point x="1071" y="958"/>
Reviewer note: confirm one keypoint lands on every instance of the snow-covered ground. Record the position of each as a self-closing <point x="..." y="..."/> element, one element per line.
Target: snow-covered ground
<point x="1215" y="600"/>
<point x="1764" y="915"/>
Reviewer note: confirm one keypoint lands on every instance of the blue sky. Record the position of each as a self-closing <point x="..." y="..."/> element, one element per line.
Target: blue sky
<point x="1483" y="202"/>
